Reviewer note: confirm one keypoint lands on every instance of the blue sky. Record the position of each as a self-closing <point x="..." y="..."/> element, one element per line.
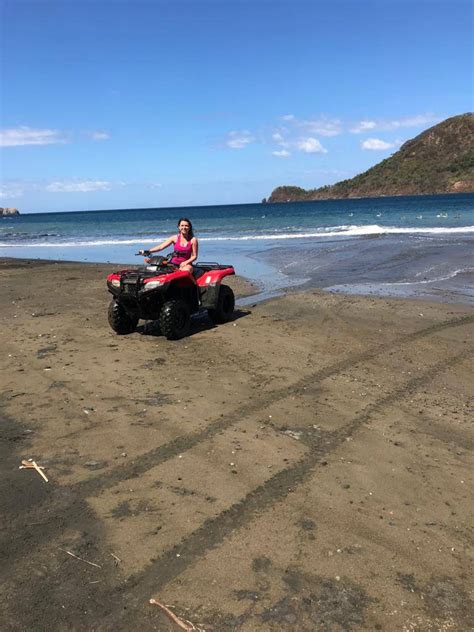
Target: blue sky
<point x="122" y="104"/>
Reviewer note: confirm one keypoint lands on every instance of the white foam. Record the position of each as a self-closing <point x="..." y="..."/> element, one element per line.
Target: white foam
<point x="332" y="231"/>
<point x="349" y="231"/>
<point x="79" y="244"/>
<point x="451" y="275"/>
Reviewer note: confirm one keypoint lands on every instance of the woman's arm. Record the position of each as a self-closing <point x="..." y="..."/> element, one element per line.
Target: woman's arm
<point x="194" y="254"/>
<point x="164" y="244"/>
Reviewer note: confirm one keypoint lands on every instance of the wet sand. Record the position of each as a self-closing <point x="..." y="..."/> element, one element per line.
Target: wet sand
<point x="303" y="467"/>
<point x="400" y="266"/>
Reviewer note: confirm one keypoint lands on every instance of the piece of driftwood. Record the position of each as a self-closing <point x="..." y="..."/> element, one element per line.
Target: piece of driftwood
<point x="32" y="465"/>
<point x="79" y="558"/>
<point x="184" y="625"/>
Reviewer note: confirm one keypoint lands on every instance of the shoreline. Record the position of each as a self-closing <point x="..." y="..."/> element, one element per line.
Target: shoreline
<point x="318" y="444"/>
<point x="348" y="267"/>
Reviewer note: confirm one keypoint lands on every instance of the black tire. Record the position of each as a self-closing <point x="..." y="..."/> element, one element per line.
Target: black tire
<point x="175" y="319"/>
<point x="224" y="309"/>
<point x="120" y="321"/>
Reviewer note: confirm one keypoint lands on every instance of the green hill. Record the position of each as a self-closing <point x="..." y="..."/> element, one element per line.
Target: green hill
<point x="439" y="160"/>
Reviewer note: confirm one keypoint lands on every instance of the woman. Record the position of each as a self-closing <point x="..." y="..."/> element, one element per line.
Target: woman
<point x="185" y="246"/>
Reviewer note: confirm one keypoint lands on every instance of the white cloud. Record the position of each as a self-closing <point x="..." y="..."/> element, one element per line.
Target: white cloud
<point x="239" y="140"/>
<point x="387" y="125"/>
<point x="281" y="137"/>
<point x="415" y="121"/>
<point x="281" y="154"/>
<point x="376" y="144"/>
<point x="98" y="135"/>
<point x="322" y="126"/>
<point x="9" y="191"/>
<point x="18" y="136"/>
<point x="79" y="186"/>
<point x="363" y="126"/>
<point x="311" y="146"/>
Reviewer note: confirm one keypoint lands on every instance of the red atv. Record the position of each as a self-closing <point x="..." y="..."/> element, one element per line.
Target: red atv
<point x="161" y="291"/>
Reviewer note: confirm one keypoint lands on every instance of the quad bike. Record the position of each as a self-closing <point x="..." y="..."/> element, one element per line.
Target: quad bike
<point x="161" y="291"/>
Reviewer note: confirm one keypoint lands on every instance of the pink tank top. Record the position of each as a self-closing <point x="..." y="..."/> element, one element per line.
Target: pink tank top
<point x="181" y="253"/>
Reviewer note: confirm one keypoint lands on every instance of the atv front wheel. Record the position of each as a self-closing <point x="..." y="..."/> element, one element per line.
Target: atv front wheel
<point x="225" y="305"/>
<point x="175" y="319"/>
<point x="120" y="321"/>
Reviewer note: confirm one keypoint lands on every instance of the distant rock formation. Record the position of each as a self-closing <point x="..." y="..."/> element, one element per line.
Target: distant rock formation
<point x="9" y="211"/>
<point x="439" y="160"/>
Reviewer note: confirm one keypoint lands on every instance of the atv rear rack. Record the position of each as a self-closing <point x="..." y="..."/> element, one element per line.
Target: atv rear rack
<point x="212" y="266"/>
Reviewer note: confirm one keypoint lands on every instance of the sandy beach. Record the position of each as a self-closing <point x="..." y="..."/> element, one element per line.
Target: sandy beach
<point x="306" y="466"/>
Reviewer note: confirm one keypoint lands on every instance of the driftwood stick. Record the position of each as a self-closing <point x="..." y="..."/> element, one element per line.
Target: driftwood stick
<point x="32" y="465"/>
<point x="29" y="467"/>
<point x="39" y="470"/>
<point x="79" y="558"/>
<point x="172" y="616"/>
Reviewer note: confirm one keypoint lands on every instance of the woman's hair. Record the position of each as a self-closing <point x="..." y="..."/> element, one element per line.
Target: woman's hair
<point x="185" y="219"/>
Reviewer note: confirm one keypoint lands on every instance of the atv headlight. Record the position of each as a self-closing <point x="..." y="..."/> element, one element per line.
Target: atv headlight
<point x="151" y="285"/>
<point x="115" y="282"/>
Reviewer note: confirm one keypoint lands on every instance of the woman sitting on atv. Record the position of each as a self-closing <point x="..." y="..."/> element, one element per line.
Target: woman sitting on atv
<point x="185" y="246"/>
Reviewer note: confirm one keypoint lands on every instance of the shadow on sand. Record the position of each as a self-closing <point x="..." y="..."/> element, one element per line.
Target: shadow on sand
<point x="199" y="323"/>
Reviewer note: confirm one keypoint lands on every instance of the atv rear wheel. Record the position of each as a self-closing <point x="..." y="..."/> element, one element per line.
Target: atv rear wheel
<point x="175" y="319"/>
<point x="120" y="321"/>
<point x="225" y="305"/>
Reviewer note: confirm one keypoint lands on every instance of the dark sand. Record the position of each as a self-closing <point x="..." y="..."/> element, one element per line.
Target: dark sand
<point x="304" y="467"/>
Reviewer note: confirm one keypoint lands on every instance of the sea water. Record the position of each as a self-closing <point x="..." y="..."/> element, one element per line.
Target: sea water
<point x="399" y="246"/>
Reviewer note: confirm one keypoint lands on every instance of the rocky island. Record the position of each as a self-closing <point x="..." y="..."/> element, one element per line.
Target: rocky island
<point x="439" y="160"/>
<point x="8" y="211"/>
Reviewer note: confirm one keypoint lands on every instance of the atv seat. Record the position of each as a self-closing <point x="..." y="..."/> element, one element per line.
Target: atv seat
<point x="198" y="272"/>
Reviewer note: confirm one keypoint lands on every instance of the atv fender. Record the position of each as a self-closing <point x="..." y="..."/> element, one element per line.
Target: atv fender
<point x="224" y="309"/>
<point x="209" y="285"/>
<point x="209" y="295"/>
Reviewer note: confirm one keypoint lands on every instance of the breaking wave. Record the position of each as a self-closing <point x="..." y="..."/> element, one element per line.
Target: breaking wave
<point x="26" y="241"/>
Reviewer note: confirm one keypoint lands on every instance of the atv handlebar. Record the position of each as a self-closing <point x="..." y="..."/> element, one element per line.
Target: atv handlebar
<point x="157" y="259"/>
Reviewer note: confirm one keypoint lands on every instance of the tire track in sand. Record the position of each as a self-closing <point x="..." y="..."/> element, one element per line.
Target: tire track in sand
<point x="135" y="591"/>
<point x="147" y="461"/>
<point x="214" y="531"/>
<point x="76" y="493"/>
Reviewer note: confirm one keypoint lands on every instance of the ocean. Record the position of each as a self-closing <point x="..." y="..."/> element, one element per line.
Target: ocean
<point x="400" y="246"/>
